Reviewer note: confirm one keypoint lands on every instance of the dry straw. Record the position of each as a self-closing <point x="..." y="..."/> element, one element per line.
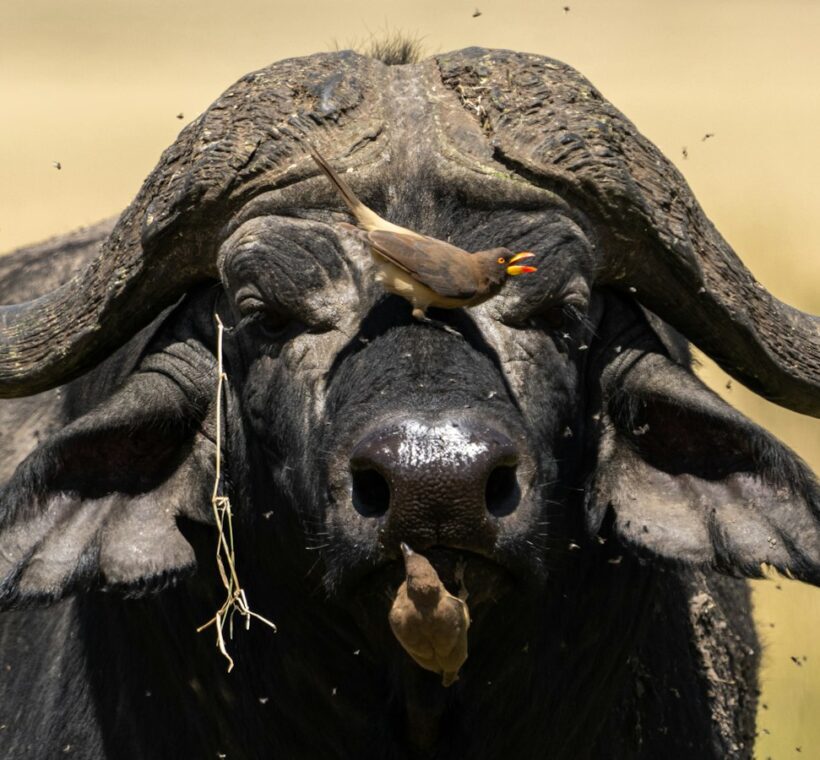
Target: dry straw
<point x="236" y="600"/>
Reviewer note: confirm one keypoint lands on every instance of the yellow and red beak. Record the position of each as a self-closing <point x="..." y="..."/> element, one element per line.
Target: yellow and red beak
<point x="514" y="268"/>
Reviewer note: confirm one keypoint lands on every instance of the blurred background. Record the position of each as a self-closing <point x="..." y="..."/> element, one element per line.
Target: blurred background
<point x="729" y="90"/>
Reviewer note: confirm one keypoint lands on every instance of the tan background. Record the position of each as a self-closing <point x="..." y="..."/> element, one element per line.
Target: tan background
<point x="97" y="85"/>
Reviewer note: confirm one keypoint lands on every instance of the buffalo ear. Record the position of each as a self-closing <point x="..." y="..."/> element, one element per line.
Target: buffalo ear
<point x="96" y="505"/>
<point x="685" y="477"/>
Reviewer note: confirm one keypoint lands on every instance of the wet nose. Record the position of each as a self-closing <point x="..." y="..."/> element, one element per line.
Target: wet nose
<point x="437" y="482"/>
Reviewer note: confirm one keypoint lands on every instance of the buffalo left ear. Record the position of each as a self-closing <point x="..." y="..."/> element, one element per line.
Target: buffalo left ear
<point x="691" y="480"/>
<point x="96" y="505"/>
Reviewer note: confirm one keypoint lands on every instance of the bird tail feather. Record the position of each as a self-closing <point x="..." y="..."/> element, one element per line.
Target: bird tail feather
<point x="364" y="216"/>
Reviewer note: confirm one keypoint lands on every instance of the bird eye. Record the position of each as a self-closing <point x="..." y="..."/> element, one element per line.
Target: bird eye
<point x="502" y="260"/>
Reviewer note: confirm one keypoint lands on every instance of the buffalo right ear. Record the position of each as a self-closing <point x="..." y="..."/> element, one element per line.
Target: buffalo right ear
<point x="96" y="505"/>
<point x="686" y="478"/>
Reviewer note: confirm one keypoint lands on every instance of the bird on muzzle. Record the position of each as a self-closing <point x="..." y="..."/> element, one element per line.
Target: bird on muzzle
<point x="424" y="270"/>
<point x="428" y="621"/>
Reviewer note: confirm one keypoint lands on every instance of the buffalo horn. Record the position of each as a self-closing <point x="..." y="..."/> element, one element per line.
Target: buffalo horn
<point x="655" y="242"/>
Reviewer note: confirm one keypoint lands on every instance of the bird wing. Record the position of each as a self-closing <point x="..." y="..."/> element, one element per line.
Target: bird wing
<point x="442" y="267"/>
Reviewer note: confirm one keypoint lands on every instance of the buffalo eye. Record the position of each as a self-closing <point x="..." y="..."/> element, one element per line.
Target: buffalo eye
<point x="567" y="313"/>
<point x="569" y="309"/>
<point x="548" y="302"/>
<point x="554" y="316"/>
<point x="269" y="323"/>
<point x="258" y="315"/>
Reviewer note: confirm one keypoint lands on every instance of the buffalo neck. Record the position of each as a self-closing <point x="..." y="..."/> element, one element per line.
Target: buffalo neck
<point x="335" y="681"/>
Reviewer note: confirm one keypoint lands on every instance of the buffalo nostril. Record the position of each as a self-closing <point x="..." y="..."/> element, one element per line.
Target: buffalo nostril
<point x="371" y="493"/>
<point x="501" y="493"/>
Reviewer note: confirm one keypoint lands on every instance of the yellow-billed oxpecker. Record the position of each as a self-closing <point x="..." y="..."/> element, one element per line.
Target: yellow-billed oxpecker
<point x="424" y="270"/>
<point x="429" y="622"/>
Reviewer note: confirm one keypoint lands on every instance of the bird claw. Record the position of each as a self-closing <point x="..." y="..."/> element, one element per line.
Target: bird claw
<point x="420" y="316"/>
<point x="447" y="328"/>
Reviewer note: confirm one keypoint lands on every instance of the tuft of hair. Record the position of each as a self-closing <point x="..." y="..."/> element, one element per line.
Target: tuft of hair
<point x="395" y="49"/>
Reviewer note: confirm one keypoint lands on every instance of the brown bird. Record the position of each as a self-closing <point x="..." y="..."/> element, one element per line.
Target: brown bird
<point x="429" y="622"/>
<point x="423" y="270"/>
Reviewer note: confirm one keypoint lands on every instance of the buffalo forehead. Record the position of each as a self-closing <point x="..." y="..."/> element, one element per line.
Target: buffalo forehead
<point x="361" y="113"/>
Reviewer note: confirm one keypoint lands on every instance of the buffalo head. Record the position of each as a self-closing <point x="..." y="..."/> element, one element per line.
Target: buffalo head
<point x="561" y="420"/>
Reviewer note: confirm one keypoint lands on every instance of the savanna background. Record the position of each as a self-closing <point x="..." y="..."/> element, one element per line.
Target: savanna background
<point x="728" y="89"/>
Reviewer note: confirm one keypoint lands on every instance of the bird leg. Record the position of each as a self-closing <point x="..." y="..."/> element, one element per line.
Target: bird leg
<point x="420" y="316"/>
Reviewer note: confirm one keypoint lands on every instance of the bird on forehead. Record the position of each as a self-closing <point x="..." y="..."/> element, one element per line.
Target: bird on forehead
<point x="424" y="270"/>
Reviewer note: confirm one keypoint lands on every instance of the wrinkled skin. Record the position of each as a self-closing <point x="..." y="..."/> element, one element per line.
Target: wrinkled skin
<point x="560" y="448"/>
<point x="369" y="367"/>
<point x="324" y="571"/>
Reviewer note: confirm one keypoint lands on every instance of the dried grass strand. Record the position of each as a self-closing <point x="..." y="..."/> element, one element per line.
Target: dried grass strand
<point x="236" y="601"/>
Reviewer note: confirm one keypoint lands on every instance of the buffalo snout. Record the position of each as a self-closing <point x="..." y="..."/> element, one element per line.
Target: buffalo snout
<point x="436" y="482"/>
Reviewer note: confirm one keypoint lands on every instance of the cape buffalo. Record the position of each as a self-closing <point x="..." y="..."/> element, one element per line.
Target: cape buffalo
<point x="551" y="453"/>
